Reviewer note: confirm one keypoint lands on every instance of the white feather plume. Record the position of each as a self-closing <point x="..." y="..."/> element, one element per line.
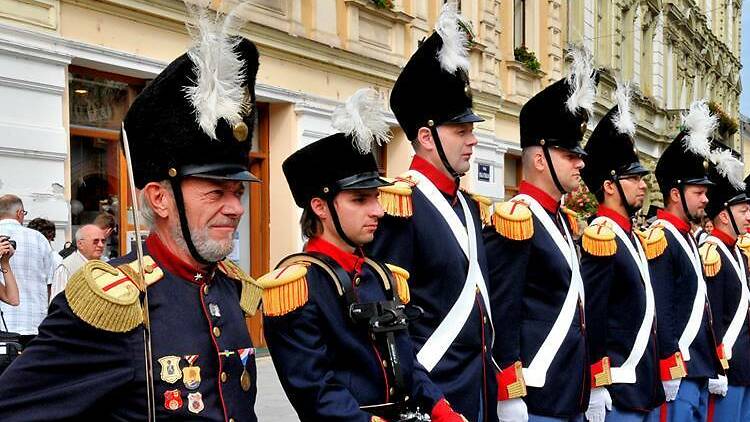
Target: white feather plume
<point x="699" y="124"/>
<point x="454" y="54"/>
<point x="623" y="118"/>
<point x="218" y="92"/>
<point x="729" y="167"/>
<point x="362" y="118"/>
<point x="581" y="79"/>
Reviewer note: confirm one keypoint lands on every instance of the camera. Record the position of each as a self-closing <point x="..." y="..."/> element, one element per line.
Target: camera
<point x="12" y="242"/>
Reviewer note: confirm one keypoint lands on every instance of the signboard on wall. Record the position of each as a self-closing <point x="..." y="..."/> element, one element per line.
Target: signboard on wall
<point x="484" y="172"/>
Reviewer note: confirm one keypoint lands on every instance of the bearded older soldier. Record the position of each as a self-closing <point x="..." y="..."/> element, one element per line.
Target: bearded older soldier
<point x="90" y="361"/>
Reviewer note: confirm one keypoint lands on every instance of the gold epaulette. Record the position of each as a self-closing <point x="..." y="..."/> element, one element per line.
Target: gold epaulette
<point x="251" y="291"/>
<point x="284" y="289"/>
<point x="572" y="220"/>
<point x="513" y="219"/>
<point x="105" y="297"/>
<point x="396" y="198"/>
<point x="599" y="240"/>
<point x="653" y="240"/>
<point x="402" y="287"/>
<point x="484" y="203"/>
<point x="743" y="242"/>
<point x="710" y="258"/>
<point x="151" y="271"/>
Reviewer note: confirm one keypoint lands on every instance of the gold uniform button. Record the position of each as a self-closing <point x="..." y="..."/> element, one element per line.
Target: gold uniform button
<point x="392" y="391"/>
<point x="217" y="331"/>
<point x="205" y="289"/>
<point x="385" y="363"/>
<point x="223" y="377"/>
<point x="231" y="419"/>
<point x="484" y="319"/>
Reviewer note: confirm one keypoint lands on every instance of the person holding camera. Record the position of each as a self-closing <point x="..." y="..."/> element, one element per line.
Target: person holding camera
<point x="9" y="287"/>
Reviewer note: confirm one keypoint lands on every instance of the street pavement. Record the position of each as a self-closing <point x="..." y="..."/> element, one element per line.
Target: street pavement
<point x="271" y="404"/>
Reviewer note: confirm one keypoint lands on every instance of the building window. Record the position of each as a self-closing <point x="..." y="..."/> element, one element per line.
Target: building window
<point x="98" y="103"/>
<point x="513" y="175"/>
<point x="519" y="23"/>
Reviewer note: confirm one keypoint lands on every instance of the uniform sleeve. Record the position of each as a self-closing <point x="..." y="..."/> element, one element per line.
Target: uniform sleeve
<point x="300" y="356"/>
<point x="663" y="281"/>
<point x="598" y="277"/>
<point x="69" y="369"/>
<point x="424" y="390"/>
<point x="715" y="287"/>
<point x="507" y="261"/>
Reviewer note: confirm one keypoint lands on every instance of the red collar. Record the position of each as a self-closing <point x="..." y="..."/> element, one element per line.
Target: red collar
<point x="677" y="222"/>
<point x="549" y="203"/>
<point x="349" y="262"/>
<point x="444" y="183"/>
<point x="169" y="261"/>
<point x="727" y="239"/>
<point x="618" y="218"/>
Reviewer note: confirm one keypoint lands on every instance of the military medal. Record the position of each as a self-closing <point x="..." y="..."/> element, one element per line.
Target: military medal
<point x="245" y="377"/>
<point x="172" y="399"/>
<point x="191" y="375"/>
<point x="170" y="369"/>
<point x="195" y="402"/>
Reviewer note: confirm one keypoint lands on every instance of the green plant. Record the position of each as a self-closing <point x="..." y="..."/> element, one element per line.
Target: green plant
<point x="727" y="125"/>
<point x="383" y="4"/>
<point x="582" y="201"/>
<point x="528" y="58"/>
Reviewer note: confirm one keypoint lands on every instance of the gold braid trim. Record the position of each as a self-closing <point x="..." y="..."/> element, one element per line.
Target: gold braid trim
<point x="284" y="290"/>
<point x="251" y="292"/>
<point x="484" y="204"/>
<point x="654" y="241"/>
<point x="599" y="240"/>
<point x="104" y="297"/>
<point x="402" y="287"/>
<point x="396" y="199"/>
<point x="572" y="220"/>
<point x="513" y="220"/>
<point x="710" y="258"/>
<point x="743" y="242"/>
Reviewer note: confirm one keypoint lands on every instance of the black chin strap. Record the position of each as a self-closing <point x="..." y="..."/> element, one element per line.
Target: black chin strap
<point x="337" y="223"/>
<point x="732" y="220"/>
<point x="630" y="209"/>
<point x="691" y="218"/>
<point x="441" y="153"/>
<point x="180" y="204"/>
<point x="552" y="171"/>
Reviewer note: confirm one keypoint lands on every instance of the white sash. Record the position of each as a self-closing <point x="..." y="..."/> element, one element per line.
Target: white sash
<point x="441" y="339"/>
<point x="625" y="373"/>
<point x="730" y="336"/>
<point x="699" y="303"/>
<point x="535" y="374"/>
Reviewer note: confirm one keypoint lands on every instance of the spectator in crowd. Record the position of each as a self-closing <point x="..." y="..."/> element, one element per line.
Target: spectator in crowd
<point x="47" y="228"/>
<point x="33" y="263"/>
<point x="90" y="240"/>
<point x="106" y="222"/>
<point x="8" y="288"/>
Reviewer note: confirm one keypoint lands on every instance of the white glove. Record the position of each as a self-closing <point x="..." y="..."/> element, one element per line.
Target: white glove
<point x="512" y="410"/>
<point x="718" y="386"/>
<point x="671" y="387"/>
<point x="599" y="403"/>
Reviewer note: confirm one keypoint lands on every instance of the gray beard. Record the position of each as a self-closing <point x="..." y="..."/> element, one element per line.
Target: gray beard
<point x="209" y="249"/>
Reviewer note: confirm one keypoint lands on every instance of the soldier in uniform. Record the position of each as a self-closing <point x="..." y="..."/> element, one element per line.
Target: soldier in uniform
<point x="336" y="321"/>
<point x="686" y="340"/>
<point x="537" y="291"/>
<point x="90" y="359"/>
<point x="620" y="315"/>
<point x="725" y="270"/>
<point x="428" y="219"/>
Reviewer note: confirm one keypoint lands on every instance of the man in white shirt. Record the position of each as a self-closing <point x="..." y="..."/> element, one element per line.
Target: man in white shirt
<point x="90" y="241"/>
<point x="33" y="264"/>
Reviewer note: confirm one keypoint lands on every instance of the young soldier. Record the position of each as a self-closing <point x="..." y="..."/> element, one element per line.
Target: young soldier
<point x="537" y="291"/>
<point x="686" y="340"/>
<point x="336" y="321"/>
<point x="725" y="269"/>
<point x="190" y="162"/>
<point x="426" y="232"/>
<point x="620" y="316"/>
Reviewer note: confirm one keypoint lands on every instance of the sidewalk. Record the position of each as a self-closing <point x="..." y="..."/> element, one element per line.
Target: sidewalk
<point x="271" y="404"/>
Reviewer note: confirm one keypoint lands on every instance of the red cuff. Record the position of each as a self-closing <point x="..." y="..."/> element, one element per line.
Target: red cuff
<point x="722" y="356"/>
<point x="672" y="367"/>
<point x="443" y="412"/>
<point x="600" y="373"/>
<point x="510" y="382"/>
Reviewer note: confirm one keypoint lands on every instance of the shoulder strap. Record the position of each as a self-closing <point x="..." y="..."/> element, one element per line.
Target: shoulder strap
<point x="341" y="279"/>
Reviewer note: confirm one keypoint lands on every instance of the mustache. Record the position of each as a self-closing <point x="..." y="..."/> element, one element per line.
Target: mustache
<point x="225" y="221"/>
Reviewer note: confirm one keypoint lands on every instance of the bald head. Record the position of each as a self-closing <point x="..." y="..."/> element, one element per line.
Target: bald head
<point x="90" y="240"/>
<point x="10" y="206"/>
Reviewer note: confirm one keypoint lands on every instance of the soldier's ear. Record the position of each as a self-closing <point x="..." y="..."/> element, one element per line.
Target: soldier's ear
<point x="158" y="198"/>
<point x="424" y="139"/>
<point x="319" y="207"/>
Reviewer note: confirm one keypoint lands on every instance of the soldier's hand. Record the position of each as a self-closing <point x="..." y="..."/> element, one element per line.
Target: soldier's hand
<point x="599" y="403"/>
<point x="512" y="410"/>
<point x="671" y="387"/>
<point x="718" y="386"/>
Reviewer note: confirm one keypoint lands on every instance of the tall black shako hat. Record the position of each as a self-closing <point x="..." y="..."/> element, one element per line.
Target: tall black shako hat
<point x="556" y="117"/>
<point x="342" y="161"/>
<point x="433" y="88"/>
<point x="611" y="151"/>
<point x="196" y="117"/>
<point x="725" y="171"/>
<point x="686" y="160"/>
